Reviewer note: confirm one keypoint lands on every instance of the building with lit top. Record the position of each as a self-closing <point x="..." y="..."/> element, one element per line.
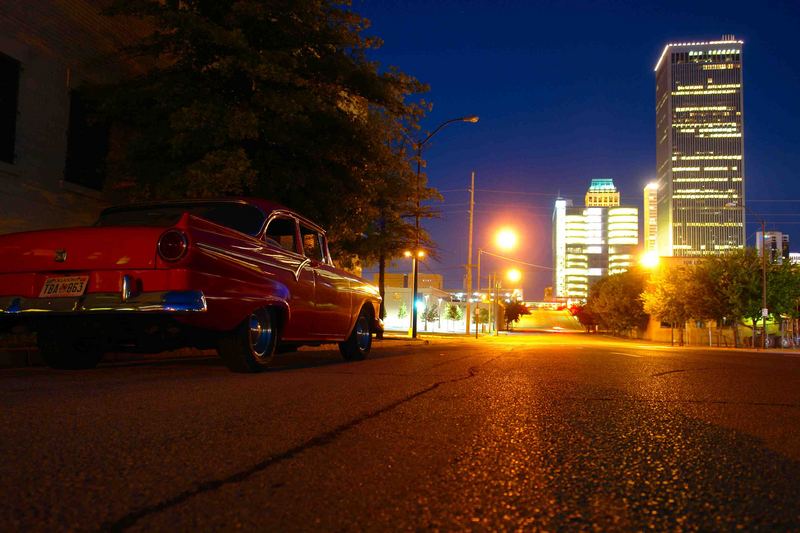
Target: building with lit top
<point x="699" y="148"/>
<point x="650" y="217"/>
<point x="592" y="241"/>
<point x="602" y="193"/>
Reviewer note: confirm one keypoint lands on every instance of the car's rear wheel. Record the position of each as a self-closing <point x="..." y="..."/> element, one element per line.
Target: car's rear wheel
<point x="251" y="346"/>
<point x="359" y="343"/>
<point x="63" y="348"/>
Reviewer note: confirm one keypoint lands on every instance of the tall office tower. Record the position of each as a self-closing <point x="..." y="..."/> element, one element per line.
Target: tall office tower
<point x="650" y="217"/>
<point x="699" y="148"/>
<point x="602" y="193"/>
<point x="593" y="241"/>
<point x="776" y="243"/>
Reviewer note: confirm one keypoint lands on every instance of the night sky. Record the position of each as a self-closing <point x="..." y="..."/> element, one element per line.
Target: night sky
<point x="565" y="93"/>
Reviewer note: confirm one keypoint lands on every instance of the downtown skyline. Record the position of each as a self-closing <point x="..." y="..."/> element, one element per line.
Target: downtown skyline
<point x="560" y="109"/>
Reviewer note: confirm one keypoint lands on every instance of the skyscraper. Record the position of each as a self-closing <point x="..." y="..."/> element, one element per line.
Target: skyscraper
<point x="699" y="148"/>
<point x="650" y="217"/>
<point x="593" y="241"/>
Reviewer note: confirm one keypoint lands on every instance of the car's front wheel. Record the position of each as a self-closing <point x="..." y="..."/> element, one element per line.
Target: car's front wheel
<point x="63" y="348"/>
<point x="251" y="346"/>
<point x="359" y="343"/>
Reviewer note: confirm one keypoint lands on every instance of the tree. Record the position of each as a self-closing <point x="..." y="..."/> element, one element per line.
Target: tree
<point x="669" y="296"/>
<point x="616" y="302"/>
<point x="585" y="317"/>
<point x="454" y="312"/>
<point x="270" y="98"/>
<point x="402" y="311"/>
<point x="728" y="288"/>
<point x="514" y="311"/>
<point x="783" y="291"/>
<point x="430" y="314"/>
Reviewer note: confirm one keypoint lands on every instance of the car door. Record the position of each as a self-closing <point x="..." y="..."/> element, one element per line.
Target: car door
<point x="292" y="268"/>
<point x="333" y="295"/>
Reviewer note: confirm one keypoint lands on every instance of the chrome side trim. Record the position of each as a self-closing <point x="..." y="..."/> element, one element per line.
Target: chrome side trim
<point x="254" y="262"/>
<point x="146" y="302"/>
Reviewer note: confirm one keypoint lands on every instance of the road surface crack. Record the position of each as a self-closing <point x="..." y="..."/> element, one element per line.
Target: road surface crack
<point x="130" y="519"/>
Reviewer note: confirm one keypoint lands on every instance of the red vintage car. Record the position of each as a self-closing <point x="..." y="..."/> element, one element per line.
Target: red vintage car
<point x="246" y="276"/>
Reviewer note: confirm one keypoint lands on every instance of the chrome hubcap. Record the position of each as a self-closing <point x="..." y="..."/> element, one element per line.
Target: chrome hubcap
<point x="363" y="337"/>
<point x="260" y="333"/>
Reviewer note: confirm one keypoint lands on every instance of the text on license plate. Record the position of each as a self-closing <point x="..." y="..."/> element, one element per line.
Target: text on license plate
<point x="64" y="286"/>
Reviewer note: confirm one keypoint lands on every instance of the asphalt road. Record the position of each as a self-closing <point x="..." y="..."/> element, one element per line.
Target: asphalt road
<point x="518" y="432"/>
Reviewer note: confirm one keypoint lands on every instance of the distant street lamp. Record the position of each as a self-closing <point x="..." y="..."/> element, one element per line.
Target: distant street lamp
<point x="649" y="260"/>
<point x="507" y="239"/>
<point x="420" y="145"/>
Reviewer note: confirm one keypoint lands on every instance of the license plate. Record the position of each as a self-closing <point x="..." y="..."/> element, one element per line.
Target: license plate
<point x="64" y="286"/>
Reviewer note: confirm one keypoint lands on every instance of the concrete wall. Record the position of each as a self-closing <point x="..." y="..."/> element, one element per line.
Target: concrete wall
<point x="59" y="44"/>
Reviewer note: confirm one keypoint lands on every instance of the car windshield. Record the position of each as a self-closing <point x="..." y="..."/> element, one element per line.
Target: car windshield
<point x="240" y="217"/>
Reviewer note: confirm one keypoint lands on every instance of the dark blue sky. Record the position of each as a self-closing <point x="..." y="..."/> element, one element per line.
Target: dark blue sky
<point x="565" y="93"/>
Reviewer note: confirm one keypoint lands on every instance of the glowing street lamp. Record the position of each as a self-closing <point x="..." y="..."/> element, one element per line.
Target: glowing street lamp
<point x="649" y="260"/>
<point x="506" y="239"/>
<point x="513" y="275"/>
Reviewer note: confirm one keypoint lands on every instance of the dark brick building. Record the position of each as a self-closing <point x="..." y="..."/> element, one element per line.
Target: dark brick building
<point x="52" y="157"/>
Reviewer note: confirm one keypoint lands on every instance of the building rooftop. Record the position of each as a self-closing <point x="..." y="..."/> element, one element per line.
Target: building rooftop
<point x="602" y="185"/>
<point x="726" y="39"/>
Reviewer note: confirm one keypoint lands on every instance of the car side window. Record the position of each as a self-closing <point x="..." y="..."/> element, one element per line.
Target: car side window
<point x="312" y="243"/>
<point x="282" y="231"/>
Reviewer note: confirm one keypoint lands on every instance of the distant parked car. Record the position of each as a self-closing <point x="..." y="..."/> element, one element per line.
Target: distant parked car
<point x="246" y="276"/>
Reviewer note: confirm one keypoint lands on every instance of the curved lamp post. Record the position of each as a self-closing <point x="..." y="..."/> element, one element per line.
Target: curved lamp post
<point x="420" y="145"/>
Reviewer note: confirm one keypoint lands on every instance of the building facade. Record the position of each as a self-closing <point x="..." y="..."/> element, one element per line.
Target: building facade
<point x="776" y="243"/>
<point x="651" y="217"/>
<point x="700" y="148"/>
<point x="592" y="241"/>
<point x="52" y="155"/>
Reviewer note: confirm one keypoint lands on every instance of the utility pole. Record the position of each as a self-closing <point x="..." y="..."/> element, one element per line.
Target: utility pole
<point x="764" y="310"/>
<point x="469" y="250"/>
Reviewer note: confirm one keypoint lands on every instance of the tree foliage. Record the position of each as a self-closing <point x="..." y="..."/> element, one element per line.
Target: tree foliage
<point x="454" y="312"/>
<point x="270" y="98"/>
<point x="430" y="314"/>
<point x="514" y="311"/>
<point x="670" y="296"/>
<point x="616" y="302"/>
<point x="585" y="316"/>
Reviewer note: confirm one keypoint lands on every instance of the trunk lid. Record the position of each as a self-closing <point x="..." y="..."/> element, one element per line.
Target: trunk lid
<point x="79" y="249"/>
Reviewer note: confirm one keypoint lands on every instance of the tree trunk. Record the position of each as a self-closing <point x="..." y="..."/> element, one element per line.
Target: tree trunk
<point x="382" y="288"/>
<point x="735" y="326"/>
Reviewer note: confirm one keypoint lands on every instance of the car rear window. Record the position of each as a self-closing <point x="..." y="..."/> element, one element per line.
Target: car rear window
<point x="240" y="217"/>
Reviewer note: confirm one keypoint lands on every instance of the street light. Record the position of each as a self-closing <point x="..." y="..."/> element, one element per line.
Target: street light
<point x="506" y="239"/>
<point x="420" y="145"/>
<point x="414" y="256"/>
<point x="513" y="275"/>
<point x="649" y="260"/>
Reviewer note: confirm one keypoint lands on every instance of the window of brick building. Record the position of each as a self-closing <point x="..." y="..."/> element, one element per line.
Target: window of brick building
<point x="9" y="92"/>
<point x="87" y="144"/>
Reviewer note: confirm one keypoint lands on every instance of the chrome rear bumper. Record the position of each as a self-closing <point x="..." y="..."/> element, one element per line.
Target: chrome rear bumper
<point x="146" y="302"/>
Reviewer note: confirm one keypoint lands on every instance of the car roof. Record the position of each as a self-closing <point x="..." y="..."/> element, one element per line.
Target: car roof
<point x="267" y="206"/>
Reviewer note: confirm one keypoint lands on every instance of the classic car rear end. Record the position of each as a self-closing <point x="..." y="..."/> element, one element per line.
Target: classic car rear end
<point x="201" y="274"/>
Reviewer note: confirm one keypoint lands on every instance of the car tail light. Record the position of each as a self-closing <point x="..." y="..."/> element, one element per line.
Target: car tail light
<point x="172" y="245"/>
